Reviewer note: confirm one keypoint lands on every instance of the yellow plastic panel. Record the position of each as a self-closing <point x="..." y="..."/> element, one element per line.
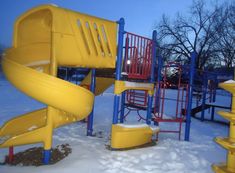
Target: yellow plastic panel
<point x="227" y="115"/>
<point x="24" y="123"/>
<point x="221" y="168"/>
<point x="34" y="28"/>
<point x="228" y="86"/>
<point x="226" y="143"/>
<point x="102" y="83"/>
<point x="77" y="39"/>
<point x="121" y="86"/>
<point x="30" y="137"/>
<point x="128" y="137"/>
<point x="35" y="55"/>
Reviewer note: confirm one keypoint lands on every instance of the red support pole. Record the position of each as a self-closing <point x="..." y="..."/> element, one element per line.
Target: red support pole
<point x="163" y="99"/>
<point x="11" y="155"/>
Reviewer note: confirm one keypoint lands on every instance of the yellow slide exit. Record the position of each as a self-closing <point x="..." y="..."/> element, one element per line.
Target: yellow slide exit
<point x="45" y="38"/>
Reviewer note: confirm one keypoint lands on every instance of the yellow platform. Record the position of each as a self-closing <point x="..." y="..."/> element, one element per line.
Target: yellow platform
<point x="45" y="38"/>
<point x="128" y="136"/>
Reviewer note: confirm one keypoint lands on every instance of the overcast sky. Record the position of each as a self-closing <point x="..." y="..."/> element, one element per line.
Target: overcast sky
<point x="140" y="15"/>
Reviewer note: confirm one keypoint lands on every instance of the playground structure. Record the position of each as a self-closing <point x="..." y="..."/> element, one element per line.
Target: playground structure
<point x="48" y="37"/>
<point x="62" y="38"/>
<point x="203" y="86"/>
<point x="140" y="53"/>
<point x="34" y="59"/>
<point x="204" y="92"/>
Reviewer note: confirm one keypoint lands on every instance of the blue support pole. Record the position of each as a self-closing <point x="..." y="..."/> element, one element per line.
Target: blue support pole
<point x="159" y="78"/>
<point x="46" y="157"/>
<point x="154" y="56"/>
<point x="213" y="113"/>
<point x="214" y="98"/>
<point x="214" y="91"/>
<point x="122" y="107"/>
<point x="121" y="32"/>
<point x="190" y="97"/>
<point x="149" y="109"/>
<point x="152" y="77"/>
<point x="124" y="93"/>
<point x="204" y="90"/>
<point x="160" y="64"/>
<point x="91" y="116"/>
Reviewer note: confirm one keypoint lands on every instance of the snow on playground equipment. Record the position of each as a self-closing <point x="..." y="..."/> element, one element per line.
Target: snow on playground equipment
<point x="229" y="142"/>
<point x="45" y="38"/>
<point x="48" y="37"/>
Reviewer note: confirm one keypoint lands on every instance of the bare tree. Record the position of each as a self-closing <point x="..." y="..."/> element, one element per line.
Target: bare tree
<point x="196" y="32"/>
<point x="225" y="47"/>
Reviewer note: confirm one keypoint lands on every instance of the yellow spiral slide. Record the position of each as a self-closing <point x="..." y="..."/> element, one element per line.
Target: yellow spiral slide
<point x="45" y="38"/>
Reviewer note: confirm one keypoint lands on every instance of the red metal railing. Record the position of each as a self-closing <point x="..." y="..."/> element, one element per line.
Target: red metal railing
<point x="137" y="97"/>
<point x="181" y="102"/>
<point x="137" y="56"/>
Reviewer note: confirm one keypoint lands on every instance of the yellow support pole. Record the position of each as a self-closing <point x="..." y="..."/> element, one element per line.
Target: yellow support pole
<point x="51" y="112"/>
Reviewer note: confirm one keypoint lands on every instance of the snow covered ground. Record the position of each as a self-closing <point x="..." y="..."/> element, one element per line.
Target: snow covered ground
<point x="89" y="154"/>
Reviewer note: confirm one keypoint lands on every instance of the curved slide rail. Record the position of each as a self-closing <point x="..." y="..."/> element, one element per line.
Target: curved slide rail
<point x="67" y="103"/>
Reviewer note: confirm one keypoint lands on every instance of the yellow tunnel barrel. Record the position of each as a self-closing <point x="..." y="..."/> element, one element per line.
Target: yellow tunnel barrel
<point x="74" y="38"/>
